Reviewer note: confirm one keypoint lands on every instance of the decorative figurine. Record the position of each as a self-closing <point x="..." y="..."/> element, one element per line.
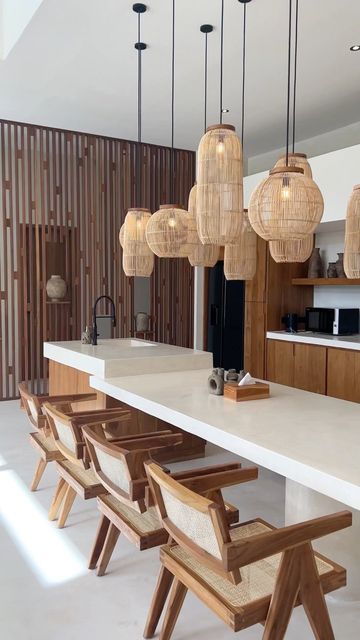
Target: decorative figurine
<point x="86" y="336"/>
<point x="232" y="375"/>
<point x="315" y="264"/>
<point x="331" y="270"/>
<point x="216" y="382"/>
<point x="339" y="264"/>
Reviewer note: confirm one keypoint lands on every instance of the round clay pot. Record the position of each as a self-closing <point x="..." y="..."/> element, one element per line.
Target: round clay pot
<point x="339" y="264"/>
<point x="142" y="321"/>
<point x="56" y="288"/>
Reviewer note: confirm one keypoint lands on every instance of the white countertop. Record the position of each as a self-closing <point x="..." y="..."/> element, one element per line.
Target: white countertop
<point x="306" y="437"/>
<point x="322" y="339"/>
<point x="125" y="357"/>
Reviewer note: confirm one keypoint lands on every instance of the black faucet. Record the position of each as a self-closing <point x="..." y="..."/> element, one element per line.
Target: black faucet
<point x="94" y="335"/>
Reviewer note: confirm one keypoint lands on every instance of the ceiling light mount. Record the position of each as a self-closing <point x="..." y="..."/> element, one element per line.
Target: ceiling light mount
<point x="355" y="47"/>
<point x="206" y="28"/>
<point x="244" y="1"/>
<point x="138" y="7"/>
<point x="140" y="46"/>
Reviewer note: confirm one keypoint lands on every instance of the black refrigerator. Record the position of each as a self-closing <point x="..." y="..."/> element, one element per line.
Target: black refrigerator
<point x="225" y="330"/>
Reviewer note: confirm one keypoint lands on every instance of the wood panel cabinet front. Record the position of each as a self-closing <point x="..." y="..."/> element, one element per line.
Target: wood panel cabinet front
<point x="280" y="362"/>
<point x="343" y="374"/>
<point x="310" y="368"/>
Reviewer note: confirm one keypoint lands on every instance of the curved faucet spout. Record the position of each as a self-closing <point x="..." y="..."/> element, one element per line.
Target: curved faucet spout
<point x="95" y="334"/>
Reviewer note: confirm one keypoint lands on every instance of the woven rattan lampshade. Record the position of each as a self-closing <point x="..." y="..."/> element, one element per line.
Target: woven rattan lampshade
<point x="121" y="235"/>
<point x="296" y="160"/>
<point x="201" y="255"/>
<point x="219" y="186"/>
<point x="167" y="232"/>
<point x="286" y="205"/>
<point x="297" y="250"/>
<point x="240" y="258"/>
<point x="138" y="259"/>
<point x="352" y="235"/>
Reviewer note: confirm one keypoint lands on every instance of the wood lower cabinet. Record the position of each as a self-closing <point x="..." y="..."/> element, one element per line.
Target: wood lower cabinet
<point x="280" y="362"/>
<point x="302" y="366"/>
<point x="343" y="374"/>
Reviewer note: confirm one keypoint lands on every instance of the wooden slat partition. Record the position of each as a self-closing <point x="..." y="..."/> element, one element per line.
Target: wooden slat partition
<point x="64" y="196"/>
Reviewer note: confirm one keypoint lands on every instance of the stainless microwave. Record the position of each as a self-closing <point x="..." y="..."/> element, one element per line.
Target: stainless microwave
<point x="338" y="322"/>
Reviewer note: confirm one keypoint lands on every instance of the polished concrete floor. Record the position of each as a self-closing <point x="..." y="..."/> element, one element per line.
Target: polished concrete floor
<point x="46" y="591"/>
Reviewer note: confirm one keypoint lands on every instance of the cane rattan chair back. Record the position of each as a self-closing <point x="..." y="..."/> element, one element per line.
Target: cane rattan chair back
<point x="67" y="435"/>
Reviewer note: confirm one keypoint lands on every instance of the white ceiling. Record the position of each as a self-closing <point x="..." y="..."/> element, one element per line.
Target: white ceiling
<point x="75" y="67"/>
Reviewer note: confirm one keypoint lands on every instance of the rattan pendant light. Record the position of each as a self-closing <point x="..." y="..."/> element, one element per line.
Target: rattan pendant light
<point x="352" y="236"/>
<point x="121" y="235"/>
<point x="288" y="204"/>
<point x="138" y="259"/>
<point x="297" y="250"/>
<point x="167" y="229"/>
<point x="240" y="258"/>
<point x="201" y="255"/>
<point x="220" y="177"/>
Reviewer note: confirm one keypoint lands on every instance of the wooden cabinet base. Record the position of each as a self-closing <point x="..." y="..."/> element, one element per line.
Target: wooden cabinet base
<point x="63" y="379"/>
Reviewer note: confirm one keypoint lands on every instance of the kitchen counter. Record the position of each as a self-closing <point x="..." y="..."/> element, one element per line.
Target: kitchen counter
<point x="125" y="357"/>
<point x="309" y="438"/>
<point x="321" y="339"/>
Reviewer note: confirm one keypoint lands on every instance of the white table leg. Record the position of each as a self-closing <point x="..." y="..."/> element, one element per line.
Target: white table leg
<point x="342" y="547"/>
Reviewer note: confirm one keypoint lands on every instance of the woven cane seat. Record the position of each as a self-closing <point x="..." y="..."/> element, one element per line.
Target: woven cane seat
<point x="258" y="579"/>
<point x="84" y="481"/>
<point x="143" y="522"/>
<point x="46" y="446"/>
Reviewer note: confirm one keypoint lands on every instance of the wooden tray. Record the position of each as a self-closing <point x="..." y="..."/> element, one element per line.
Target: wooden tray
<point x="247" y="392"/>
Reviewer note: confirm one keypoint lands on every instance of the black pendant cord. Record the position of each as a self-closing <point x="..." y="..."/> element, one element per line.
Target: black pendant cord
<point x="295" y="70"/>
<point x="172" y="157"/>
<point x="221" y="59"/>
<point x="140" y="47"/>
<point x="288" y="86"/>
<point x="243" y="79"/>
<point x="205" y="81"/>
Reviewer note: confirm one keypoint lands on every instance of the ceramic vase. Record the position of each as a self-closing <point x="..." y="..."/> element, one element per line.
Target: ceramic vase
<point x="339" y="264"/>
<point x="315" y="264"/>
<point x="331" y="270"/>
<point x="142" y="321"/>
<point x="56" y="288"/>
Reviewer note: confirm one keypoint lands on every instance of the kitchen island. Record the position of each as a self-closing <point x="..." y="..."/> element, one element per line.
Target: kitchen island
<point x="310" y="439"/>
<point x="71" y="364"/>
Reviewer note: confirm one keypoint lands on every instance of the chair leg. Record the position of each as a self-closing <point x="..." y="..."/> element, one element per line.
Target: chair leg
<point x="312" y="597"/>
<point x="99" y="541"/>
<point x="284" y="597"/>
<point x="58" y="498"/>
<point x="109" y="546"/>
<point x="41" y="465"/>
<point x="177" y="597"/>
<point x="66" y="506"/>
<point x="159" y="598"/>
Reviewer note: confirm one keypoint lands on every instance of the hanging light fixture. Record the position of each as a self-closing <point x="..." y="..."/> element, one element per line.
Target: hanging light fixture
<point x="220" y="176"/>
<point x="286" y="205"/>
<point x="138" y="259"/>
<point x="121" y="235"/>
<point x="201" y="255"/>
<point x="352" y="235"/>
<point x="240" y="258"/>
<point x="167" y="229"/>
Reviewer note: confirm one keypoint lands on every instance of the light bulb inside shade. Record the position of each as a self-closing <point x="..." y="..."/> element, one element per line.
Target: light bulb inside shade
<point x="172" y="222"/>
<point x="138" y="223"/>
<point x="220" y="147"/>
<point x="285" y="189"/>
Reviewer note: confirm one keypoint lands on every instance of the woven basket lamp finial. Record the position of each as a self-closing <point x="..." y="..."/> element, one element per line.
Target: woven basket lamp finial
<point x="286" y="205"/>
<point x="138" y="259"/>
<point x="219" y="186"/>
<point x="352" y="235"/>
<point x="240" y="258"/>
<point x="167" y="232"/>
<point x="201" y="255"/>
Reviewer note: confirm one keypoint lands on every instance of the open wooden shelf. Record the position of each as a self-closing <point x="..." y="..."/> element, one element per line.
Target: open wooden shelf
<point x="327" y="282"/>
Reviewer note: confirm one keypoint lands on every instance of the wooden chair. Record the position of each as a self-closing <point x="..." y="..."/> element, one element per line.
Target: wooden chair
<point x="246" y="574"/>
<point x="120" y="467"/>
<point x="75" y="476"/>
<point x="42" y="439"/>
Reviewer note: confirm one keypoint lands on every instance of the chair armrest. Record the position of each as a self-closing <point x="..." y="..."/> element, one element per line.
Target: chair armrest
<point x="152" y="442"/>
<point x="67" y="398"/>
<point x="244" y="552"/>
<point x="203" y="471"/>
<point x="218" y="479"/>
<point x="100" y="417"/>
<point x="138" y="437"/>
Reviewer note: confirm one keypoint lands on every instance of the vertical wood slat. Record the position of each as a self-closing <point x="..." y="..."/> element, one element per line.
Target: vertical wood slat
<point x="74" y="189"/>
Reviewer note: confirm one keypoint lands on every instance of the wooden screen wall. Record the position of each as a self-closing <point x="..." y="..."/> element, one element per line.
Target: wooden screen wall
<point x="64" y="196"/>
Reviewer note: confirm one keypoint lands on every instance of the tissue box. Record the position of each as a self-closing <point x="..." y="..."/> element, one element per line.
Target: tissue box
<point x="247" y="392"/>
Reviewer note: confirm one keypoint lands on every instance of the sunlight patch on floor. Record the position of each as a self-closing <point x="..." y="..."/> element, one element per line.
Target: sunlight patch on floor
<point x="46" y="550"/>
